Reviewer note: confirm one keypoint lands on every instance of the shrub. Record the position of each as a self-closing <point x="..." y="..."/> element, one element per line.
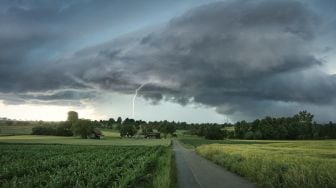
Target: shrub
<point x="214" y="133"/>
<point x="60" y="129"/>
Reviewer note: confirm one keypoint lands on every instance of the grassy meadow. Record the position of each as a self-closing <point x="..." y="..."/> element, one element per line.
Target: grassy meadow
<point x="276" y="163"/>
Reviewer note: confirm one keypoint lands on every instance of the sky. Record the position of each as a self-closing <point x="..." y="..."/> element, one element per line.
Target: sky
<point x="198" y="60"/>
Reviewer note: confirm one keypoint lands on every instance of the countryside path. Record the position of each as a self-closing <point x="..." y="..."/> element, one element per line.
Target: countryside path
<point x="197" y="172"/>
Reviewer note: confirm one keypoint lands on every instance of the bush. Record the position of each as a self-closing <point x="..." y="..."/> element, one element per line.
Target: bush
<point x="64" y="129"/>
<point x="214" y="133"/>
<point x="249" y="135"/>
<point x="61" y="129"/>
<point x="43" y="130"/>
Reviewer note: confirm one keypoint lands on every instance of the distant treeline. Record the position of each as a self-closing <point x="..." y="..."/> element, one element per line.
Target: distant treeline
<point x="117" y="124"/>
<point x="8" y="122"/>
<point x="300" y="126"/>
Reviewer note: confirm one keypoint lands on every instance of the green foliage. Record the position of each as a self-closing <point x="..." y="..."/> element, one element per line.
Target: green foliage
<point x="72" y="116"/>
<point x="300" y="126"/>
<point x="279" y="164"/>
<point x="166" y="172"/>
<point x="214" y="133"/>
<point x="166" y="128"/>
<point x="127" y="130"/>
<point x="59" y="129"/>
<point x="83" y="166"/>
<point x="146" y="129"/>
<point x="83" y="128"/>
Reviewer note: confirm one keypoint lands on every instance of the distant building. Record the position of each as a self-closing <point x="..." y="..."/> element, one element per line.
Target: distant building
<point x="97" y="134"/>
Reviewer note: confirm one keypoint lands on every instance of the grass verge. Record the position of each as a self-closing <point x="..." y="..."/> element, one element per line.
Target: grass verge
<point x="166" y="174"/>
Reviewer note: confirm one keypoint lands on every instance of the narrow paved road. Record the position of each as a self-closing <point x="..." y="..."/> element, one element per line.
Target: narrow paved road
<point x="195" y="171"/>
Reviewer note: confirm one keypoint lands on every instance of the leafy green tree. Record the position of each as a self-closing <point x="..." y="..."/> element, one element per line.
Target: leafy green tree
<point x="119" y="121"/>
<point x="72" y="116"/>
<point x="127" y="130"/>
<point x="146" y="129"/>
<point x="167" y="128"/>
<point x="214" y="133"/>
<point x="110" y="123"/>
<point x="83" y="128"/>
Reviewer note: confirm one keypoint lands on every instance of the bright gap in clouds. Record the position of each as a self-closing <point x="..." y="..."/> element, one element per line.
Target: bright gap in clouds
<point x="42" y="112"/>
<point x="113" y="105"/>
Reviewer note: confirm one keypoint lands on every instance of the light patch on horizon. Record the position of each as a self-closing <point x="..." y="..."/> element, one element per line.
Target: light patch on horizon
<point x="113" y="105"/>
<point x="43" y="112"/>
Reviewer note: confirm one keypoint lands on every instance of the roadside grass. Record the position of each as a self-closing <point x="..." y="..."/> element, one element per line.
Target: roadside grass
<point x="277" y="164"/>
<point x="37" y="139"/>
<point x="166" y="173"/>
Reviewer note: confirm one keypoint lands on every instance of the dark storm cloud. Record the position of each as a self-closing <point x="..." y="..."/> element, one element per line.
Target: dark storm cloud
<point x="34" y="34"/>
<point x="247" y="58"/>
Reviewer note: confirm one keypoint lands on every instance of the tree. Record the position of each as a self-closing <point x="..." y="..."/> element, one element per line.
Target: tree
<point x="110" y="123"/>
<point x="167" y="128"/>
<point x="304" y="117"/>
<point x="72" y="116"/>
<point x="214" y="133"/>
<point x="119" y="121"/>
<point x="146" y="129"/>
<point x="127" y="130"/>
<point x="83" y="128"/>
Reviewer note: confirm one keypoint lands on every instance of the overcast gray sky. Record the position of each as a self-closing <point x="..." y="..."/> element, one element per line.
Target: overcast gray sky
<point x="200" y="61"/>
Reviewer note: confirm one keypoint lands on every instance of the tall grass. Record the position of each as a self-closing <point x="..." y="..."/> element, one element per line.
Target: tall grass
<point x="166" y="175"/>
<point x="288" y="164"/>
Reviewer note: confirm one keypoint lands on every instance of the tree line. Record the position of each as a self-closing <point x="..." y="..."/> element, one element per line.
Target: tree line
<point x="73" y="126"/>
<point x="299" y="126"/>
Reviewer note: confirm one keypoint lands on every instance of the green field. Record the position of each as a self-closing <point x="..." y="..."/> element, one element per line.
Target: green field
<point x="33" y="165"/>
<point x="77" y="141"/>
<point x="276" y="163"/>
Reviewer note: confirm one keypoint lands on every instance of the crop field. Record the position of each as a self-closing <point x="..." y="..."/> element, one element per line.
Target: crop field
<point x="30" y="165"/>
<point x="36" y="139"/>
<point x="277" y="164"/>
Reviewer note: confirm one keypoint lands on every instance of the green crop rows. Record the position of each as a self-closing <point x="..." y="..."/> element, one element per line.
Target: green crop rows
<point x="77" y="166"/>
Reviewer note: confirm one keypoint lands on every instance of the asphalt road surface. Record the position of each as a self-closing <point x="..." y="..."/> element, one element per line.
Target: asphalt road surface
<point x="195" y="171"/>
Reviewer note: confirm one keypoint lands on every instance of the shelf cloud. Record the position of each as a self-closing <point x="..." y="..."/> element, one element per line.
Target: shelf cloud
<point x="245" y="58"/>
